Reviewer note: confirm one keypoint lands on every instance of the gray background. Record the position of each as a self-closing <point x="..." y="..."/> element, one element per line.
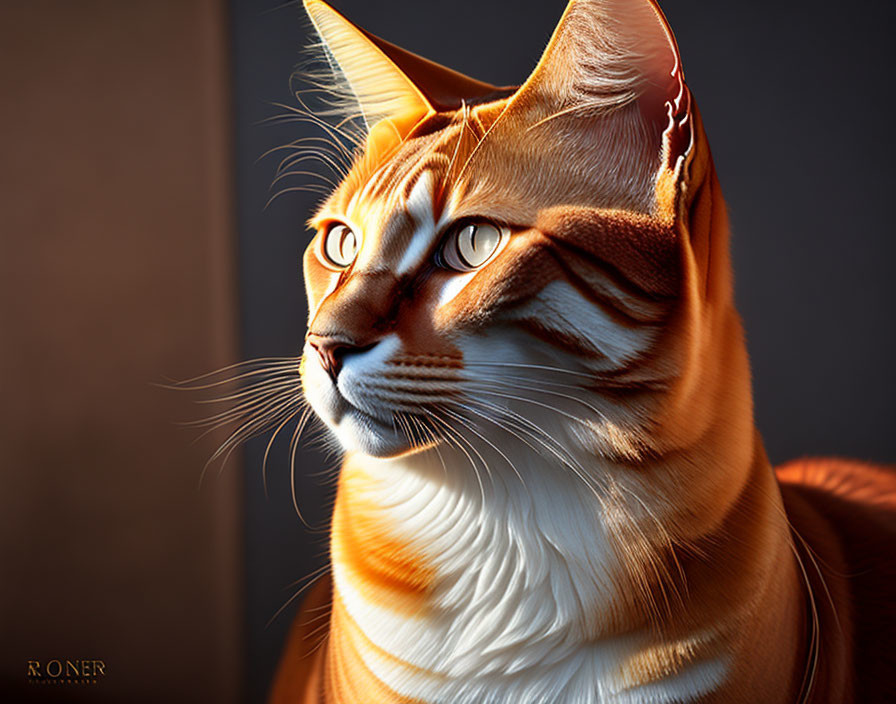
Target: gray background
<point x="797" y="101"/>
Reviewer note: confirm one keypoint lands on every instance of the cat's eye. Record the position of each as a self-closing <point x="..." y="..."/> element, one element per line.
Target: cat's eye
<point x="471" y="245"/>
<point x="341" y="245"/>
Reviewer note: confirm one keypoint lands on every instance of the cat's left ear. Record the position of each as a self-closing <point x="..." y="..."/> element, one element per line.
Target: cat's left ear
<point x="388" y="82"/>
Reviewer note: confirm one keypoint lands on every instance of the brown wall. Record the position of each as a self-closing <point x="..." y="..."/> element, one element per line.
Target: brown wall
<point x="115" y="272"/>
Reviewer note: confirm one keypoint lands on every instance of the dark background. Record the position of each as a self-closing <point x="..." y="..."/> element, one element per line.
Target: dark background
<point x="797" y="100"/>
<point x="135" y="245"/>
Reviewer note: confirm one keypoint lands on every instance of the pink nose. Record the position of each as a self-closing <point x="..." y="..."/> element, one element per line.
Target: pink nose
<point x="332" y="351"/>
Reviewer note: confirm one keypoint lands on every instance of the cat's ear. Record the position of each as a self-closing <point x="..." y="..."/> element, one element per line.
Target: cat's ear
<point x="608" y="59"/>
<point x="387" y="81"/>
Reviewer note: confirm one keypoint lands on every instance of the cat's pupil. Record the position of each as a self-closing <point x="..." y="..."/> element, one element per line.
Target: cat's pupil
<point x="341" y="245"/>
<point x="347" y="248"/>
<point x="476" y="243"/>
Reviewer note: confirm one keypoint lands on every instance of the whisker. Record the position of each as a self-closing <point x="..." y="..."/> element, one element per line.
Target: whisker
<point x="257" y="387"/>
<point x="501" y="365"/>
<point x="453" y="439"/>
<point x="252" y="426"/>
<point x="255" y="405"/>
<point x="537" y="389"/>
<point x="487" y="441"/>
<point x="434" y="439"/>
<point x="548" y="443"/>
<point x="293" y="447"/>
<point x="270" y="364"/>
<point x="482" y="387"/>
<point x="310" y="174"/>
<point x="295" y="596"/>
<point x="267" y="449"/>
<point x="296" y="189"/>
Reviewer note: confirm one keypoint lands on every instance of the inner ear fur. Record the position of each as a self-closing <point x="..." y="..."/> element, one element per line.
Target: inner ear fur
<point x="612" y="68"/>
<point x="387" y="81"/>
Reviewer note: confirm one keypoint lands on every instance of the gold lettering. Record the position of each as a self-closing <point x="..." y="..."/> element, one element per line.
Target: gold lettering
<point x="71" y="672"/>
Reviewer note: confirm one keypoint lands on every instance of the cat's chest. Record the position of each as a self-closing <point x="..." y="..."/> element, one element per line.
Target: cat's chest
<point x="442" y="598"/>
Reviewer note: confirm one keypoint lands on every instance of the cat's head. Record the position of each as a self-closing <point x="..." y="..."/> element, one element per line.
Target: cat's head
<point x="511" y="263"/>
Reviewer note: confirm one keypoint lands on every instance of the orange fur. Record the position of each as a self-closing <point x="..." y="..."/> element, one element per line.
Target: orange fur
<point x="784" y="576"/>
<point x="845" y="515"/>
<point x="387" y="569"/>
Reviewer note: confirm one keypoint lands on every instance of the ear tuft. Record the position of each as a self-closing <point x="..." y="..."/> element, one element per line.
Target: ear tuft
<point x="379" y="86"/>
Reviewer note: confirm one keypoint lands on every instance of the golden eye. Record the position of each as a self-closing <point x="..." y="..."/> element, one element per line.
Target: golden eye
<point x="340" y="245"/>
<point x="470" y="246"/>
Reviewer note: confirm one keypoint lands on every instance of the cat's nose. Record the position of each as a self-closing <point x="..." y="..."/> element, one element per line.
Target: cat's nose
<point x="333" y="351"/>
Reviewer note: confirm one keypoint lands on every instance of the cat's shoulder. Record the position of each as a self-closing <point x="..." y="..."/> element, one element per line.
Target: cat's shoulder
<point x="850" y="480"/>
<point x="844" y="514"/>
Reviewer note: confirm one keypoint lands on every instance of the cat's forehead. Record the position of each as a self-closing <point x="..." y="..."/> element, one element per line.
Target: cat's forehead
<point x="399" y="202"/>
<point x="428" y="155"/>
<point x="504" y="170"/>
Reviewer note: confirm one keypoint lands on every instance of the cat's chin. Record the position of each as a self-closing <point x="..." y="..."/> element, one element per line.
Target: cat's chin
<point x="357" y="430"/>
<point x="360" y="432"/>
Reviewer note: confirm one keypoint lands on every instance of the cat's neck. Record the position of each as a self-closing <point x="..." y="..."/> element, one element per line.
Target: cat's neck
<point x="533" y="587"/>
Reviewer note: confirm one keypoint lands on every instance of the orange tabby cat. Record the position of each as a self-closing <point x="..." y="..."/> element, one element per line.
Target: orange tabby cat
<point x="522" y="333"/>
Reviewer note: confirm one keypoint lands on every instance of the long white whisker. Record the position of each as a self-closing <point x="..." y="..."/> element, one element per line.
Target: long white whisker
<point x="470" y="428"/>
<point x="293" y="447"/>
<point x="521" y="365"/>
<point x="246" y="409"/>
<point x="455" y="439"/>
<point x="538" y="435"/>
<point x="558" y="394"/>
<point x="267" y="449"/>
<point x="272" y="365"/>
<point x="482" y="387"/>
<point x="256" y="388"/>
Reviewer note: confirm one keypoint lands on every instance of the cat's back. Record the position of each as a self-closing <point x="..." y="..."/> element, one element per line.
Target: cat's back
<point x="844" y="514"/>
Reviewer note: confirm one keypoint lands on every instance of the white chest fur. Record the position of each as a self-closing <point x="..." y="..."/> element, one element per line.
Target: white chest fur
<point x="525" y="606"/>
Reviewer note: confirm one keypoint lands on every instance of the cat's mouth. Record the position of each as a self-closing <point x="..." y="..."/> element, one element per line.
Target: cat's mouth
<point x="360" y="431"/>
<point x="359" y="424"/>
<point x="346" y="407"/>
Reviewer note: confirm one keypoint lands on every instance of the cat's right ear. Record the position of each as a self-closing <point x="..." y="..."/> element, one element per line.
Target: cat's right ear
<point x="612" y="66"/>
<point x="387" y="82"/>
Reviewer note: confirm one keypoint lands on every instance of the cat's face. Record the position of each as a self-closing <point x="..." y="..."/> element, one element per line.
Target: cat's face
<point x="510" y="268"/>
